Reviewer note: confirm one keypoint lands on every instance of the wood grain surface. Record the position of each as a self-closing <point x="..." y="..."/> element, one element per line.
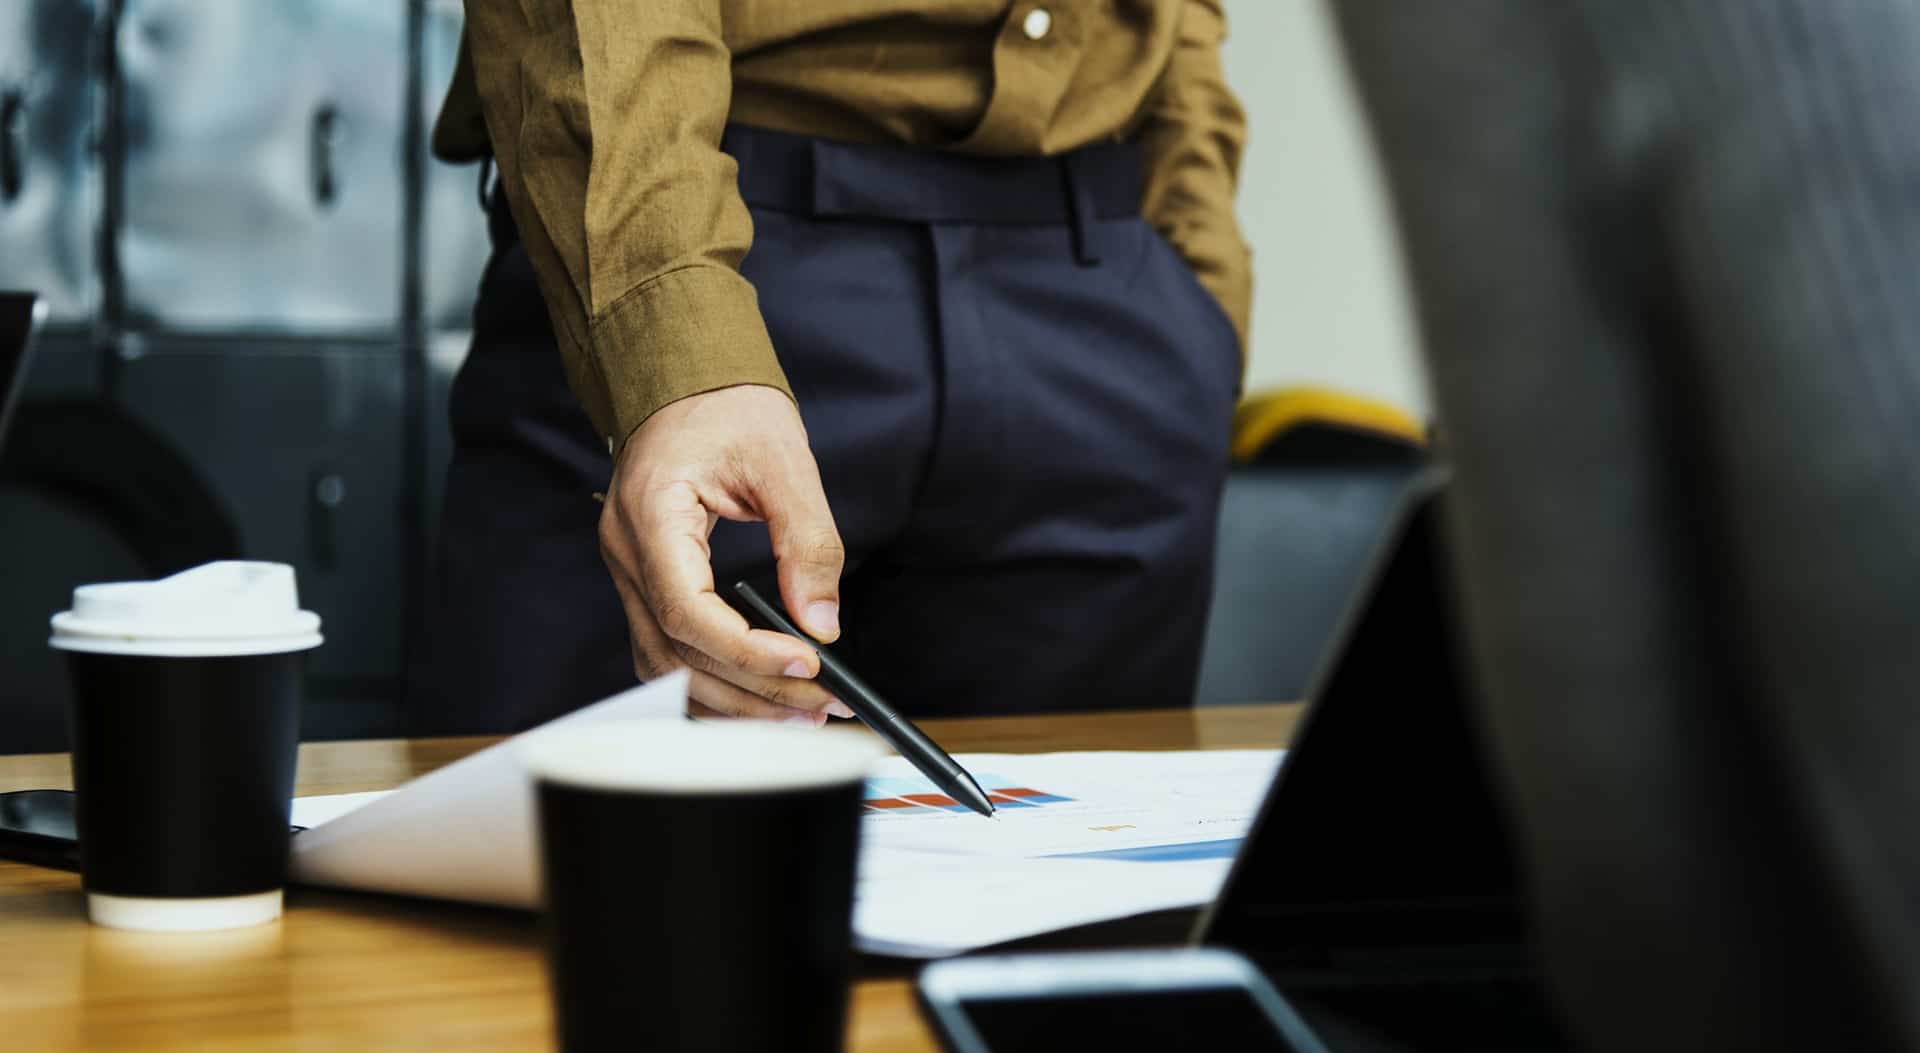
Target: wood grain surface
<point x="361" y="972"/>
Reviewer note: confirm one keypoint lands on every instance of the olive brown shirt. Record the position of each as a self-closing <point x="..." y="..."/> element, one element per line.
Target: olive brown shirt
<point x="604" y="117"/>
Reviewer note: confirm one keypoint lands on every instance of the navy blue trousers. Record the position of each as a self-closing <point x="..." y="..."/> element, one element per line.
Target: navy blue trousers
<point x="1019" y="398"/>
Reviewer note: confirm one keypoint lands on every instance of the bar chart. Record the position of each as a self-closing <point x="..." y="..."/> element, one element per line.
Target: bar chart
<point x="897" y="796"/>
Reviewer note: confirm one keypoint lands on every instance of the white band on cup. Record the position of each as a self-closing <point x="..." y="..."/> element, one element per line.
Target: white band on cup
<point x="149" y="914"/>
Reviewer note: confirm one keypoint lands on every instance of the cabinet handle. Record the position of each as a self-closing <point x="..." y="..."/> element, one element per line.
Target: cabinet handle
<point x="13" y="144"/>
<point x="326" y="492"/>
<point x="325" y="141"/>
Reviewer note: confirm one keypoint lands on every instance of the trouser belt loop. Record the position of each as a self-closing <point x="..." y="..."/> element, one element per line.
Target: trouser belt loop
<point x="1081" y="217"/>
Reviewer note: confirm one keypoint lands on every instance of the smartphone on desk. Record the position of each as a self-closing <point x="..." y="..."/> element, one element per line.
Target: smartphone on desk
<point x="1180" y="999"/>
<point x="38" y="827"/>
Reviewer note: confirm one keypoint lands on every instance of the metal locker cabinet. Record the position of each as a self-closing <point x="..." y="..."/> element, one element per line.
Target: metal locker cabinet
<point x="66" y="364"/>
<point x="454" y="243"/>
<point x="303" y="442"/>
<point x="264" y="177"/>
<point x="50" y="188"/>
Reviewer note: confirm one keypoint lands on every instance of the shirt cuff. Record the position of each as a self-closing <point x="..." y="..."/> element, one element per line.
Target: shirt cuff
<point x="685" y="332"/>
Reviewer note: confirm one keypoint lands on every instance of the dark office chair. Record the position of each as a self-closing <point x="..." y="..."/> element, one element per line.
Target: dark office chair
<point x="1667" y="262"/>
<point x="1315" y="476"/>
<point x="87" y="493"/>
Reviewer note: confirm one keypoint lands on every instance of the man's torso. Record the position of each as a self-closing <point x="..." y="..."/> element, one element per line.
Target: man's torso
<point x="985" y="76"/>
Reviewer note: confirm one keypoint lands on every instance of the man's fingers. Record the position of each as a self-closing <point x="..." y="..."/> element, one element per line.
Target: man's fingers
<point x="724" y="698"/>
<point x="710" y="695"/>
<point x="653" y="653"/>
<point x="807" y="551"/>
<point x="793" y="692"/>
<point x="676" y="582"/>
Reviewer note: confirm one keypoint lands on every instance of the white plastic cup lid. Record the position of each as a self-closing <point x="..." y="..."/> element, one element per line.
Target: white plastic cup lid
<point x="681" y="757"/>
<point x="227" y="608"/>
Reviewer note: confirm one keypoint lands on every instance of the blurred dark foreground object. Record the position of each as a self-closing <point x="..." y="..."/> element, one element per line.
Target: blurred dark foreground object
<point x="1667" y="261"/>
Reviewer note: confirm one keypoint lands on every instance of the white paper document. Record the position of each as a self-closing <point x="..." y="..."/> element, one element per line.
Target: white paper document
<point x="922" y="905"/>
<point x="1078" y="837"/>
<point x="464" y="832"/>
<point x="1136" y="806"/>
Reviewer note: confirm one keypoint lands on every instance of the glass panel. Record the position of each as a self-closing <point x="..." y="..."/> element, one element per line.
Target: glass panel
<point x="455" y="235"/>
<point x="49" y="175"/>
<point x="264" y="182"/>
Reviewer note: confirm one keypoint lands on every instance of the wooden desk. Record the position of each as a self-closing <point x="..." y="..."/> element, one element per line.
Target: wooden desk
<point x="345" y="971"/>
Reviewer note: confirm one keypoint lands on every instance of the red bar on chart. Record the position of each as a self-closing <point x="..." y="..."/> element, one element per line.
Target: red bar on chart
<point x="938" y="800"/>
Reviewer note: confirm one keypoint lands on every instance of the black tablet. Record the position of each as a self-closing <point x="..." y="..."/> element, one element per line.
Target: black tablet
<point x="1378" y="887"/>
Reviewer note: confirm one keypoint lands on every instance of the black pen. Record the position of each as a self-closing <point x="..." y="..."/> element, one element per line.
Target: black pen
<point x="913" y="744"/>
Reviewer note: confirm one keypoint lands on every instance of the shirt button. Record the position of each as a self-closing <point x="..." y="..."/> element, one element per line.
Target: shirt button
<point x="1037" y="23"/>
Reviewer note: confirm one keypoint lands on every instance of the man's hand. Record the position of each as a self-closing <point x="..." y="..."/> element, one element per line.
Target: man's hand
<point x="739" y="453"/>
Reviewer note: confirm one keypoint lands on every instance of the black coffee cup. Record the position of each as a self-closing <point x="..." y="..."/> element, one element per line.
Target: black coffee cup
<point x="186" y="724"/>
<point x="699" y="883"/>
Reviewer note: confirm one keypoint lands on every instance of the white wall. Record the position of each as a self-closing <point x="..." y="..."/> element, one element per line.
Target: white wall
<point x="1329" y="304"/>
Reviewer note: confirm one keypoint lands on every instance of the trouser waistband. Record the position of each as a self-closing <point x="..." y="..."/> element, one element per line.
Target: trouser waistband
<point x="794" y="173"/>
<point x="816" y="177"/>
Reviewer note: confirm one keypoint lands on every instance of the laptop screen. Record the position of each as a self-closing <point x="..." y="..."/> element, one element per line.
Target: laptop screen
<point x="20" y="317"/>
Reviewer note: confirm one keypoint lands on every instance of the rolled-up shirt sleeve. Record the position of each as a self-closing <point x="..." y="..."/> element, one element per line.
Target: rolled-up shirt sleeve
<point x="1192" y="139"/>
<point x="605" y="119"/>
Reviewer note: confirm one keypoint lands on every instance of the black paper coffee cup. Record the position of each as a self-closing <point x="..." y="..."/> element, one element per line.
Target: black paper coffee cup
<point x="699" y="883"/>
<point x="186" y="724"/>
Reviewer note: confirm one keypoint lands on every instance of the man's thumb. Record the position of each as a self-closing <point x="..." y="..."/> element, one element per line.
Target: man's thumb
<point x="810" y="556"/>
